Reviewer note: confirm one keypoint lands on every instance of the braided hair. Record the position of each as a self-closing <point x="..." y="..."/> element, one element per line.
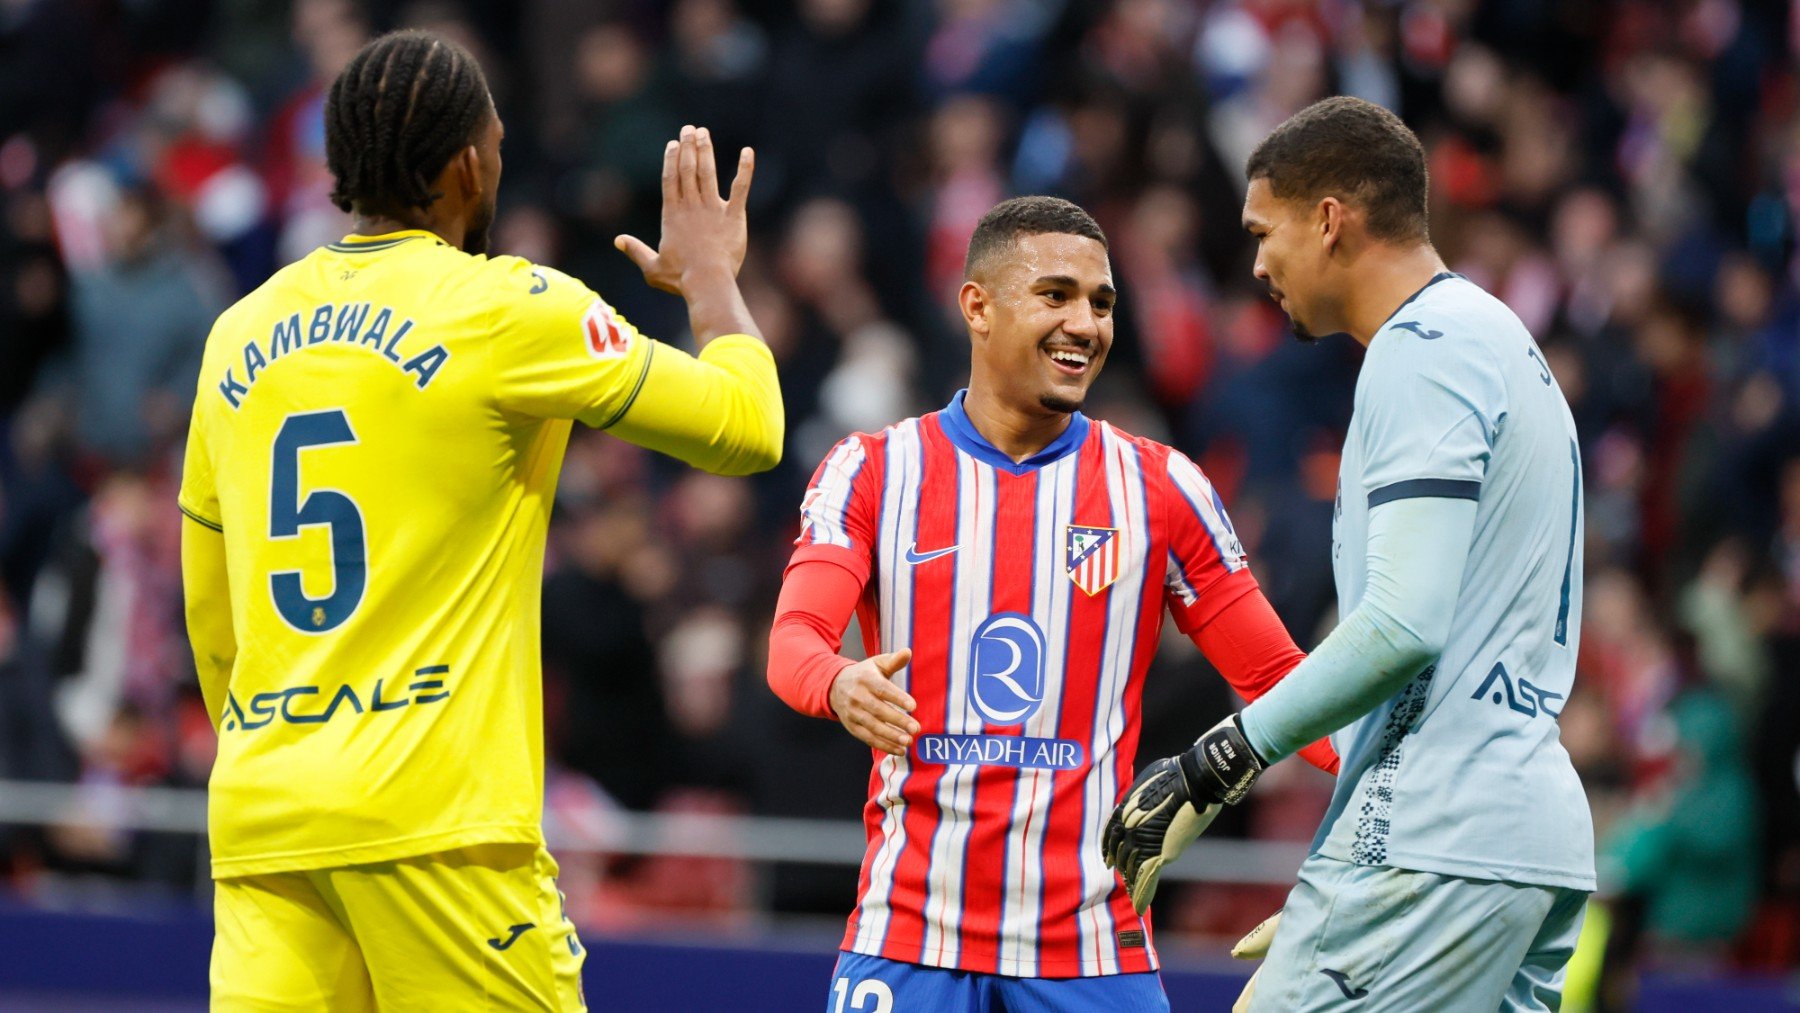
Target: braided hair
<point x="396" y="115"/>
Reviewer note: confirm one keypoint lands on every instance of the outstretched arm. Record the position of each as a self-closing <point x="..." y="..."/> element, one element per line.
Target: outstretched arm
<point x="805" y="670"/>
<point x="1417" y="551"/>
<point x="722" y="411"/>
<point x="1215" y="599"/>
<point x="817" y="599"/>
<point x="1250" y="647"/>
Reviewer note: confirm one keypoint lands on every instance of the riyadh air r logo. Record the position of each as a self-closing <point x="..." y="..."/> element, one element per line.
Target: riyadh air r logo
<point x="1006" y="668"/>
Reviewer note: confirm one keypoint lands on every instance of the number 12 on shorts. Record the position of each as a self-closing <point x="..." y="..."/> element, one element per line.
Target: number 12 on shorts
<point x="860" y="997"/>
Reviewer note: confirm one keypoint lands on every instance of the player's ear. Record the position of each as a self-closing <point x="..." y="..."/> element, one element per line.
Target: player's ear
<point x="1330" y="222"/>
<point x="465" y="171"/>
<point x="975" y="305"/>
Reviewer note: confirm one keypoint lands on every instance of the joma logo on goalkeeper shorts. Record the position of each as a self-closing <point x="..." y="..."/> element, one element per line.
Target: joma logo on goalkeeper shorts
<point x="1522" y="697"/>
<point x="1342" y="981"/>
<point x="300" y="705"/>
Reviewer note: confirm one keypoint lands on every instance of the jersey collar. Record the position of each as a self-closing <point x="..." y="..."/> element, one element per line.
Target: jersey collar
<point x="1440" y="276"/>
<point x="354" y="243"/>
<point x="954" y="420"/>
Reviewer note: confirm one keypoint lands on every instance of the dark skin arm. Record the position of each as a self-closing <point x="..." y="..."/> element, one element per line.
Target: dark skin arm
<point x="703" y="237"/>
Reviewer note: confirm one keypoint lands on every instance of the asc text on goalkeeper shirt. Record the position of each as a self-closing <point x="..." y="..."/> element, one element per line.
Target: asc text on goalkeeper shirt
<point x="1463" y="773"/>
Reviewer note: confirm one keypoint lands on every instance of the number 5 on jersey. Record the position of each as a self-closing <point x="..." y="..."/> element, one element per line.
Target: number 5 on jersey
<point x="289" y="513"/>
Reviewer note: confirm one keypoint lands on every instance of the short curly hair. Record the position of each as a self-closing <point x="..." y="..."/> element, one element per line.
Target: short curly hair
<point x="1026" y="216"/>
<point x="1355" y="150"/>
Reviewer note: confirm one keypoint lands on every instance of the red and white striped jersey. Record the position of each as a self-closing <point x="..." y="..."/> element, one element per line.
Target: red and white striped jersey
<point x="1032" y="596"/>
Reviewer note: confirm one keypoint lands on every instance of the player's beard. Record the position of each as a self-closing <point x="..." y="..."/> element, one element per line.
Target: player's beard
<point x="476" y="236"/>
<point x="1066" y="402"/>
<point x="1301" y="334"/>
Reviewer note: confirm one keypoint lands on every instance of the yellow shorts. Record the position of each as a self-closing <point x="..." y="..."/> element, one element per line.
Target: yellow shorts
<point x="478" y="928"/>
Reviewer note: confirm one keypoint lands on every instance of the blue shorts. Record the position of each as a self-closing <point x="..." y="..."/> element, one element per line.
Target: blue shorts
<point x="1358" y="938"/>
<point x="865" y="984"/>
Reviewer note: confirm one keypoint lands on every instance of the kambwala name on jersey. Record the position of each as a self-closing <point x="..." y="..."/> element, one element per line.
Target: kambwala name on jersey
<point x="333" y="322"/>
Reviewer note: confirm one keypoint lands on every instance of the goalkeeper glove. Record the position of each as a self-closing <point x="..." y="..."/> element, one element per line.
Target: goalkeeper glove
<point x="1173" y="802"/>
<point x="1254" y="946"/>
<point x="1154" y="824"/>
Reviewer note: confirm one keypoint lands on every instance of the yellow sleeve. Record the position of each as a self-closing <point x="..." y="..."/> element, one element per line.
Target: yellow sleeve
<point x="199" y="495"/>
<point x="206" y="584"/>
<point x="558" y="350"/>
<point x="720" y="412"/>
<point x="206" y="587"/>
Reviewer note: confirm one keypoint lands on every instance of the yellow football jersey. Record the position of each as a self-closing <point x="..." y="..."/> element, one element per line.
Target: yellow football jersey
<point x="377" y="434"/>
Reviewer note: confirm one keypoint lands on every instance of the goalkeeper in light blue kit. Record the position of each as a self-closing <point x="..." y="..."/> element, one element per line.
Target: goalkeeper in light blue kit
<point x="1454" y="863"/>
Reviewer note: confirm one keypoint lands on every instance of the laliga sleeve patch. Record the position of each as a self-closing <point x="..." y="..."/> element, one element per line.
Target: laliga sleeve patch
<point x="606" y="339"/>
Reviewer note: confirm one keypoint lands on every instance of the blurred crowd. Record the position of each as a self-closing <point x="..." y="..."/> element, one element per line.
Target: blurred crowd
<point x="1624" y="174"/>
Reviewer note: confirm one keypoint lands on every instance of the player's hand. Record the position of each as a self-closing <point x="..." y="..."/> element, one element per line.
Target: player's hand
<point x="1254" y="946"/>
<point x="703" y="233"/>
<point x="1152" y="827"/>
<point x="866" y="701"/>
<point x="1221" y="766"/>
<point x="1172" y="802"/>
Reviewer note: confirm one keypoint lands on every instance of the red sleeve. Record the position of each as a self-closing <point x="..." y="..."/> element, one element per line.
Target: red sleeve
<point x="841" y="511"/>
<point x="1207" y="569"/>
<point x="833" y="556"/>
<point x="1321" y="755"/>
<point x="1248" y="644"/>
<point x="818" y="597"/>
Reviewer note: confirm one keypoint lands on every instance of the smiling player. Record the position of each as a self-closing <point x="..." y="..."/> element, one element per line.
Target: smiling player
<point x="1012" y="561"/>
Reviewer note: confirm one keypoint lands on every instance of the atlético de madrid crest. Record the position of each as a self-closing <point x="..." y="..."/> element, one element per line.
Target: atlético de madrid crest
<point x="1092" y="556"/>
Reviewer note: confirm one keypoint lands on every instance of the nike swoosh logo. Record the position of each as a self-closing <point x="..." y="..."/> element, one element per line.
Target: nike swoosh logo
<point x="915" y="557"/>
<point x="512" y="937"/>
<point x="1343" y="983"/>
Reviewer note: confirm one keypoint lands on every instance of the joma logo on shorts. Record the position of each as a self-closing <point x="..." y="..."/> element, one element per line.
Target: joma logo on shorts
<point x="512" y="936"/>
<point x="1342" y="981"/>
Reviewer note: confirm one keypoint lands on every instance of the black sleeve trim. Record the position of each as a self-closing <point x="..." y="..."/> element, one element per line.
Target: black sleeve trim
<point x="197" y="519"/>
<point x="631" y="398"/>
<point x="1439" y="488"/>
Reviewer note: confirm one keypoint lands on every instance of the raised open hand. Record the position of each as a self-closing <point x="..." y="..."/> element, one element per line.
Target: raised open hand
<point x="703" y="233"/>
